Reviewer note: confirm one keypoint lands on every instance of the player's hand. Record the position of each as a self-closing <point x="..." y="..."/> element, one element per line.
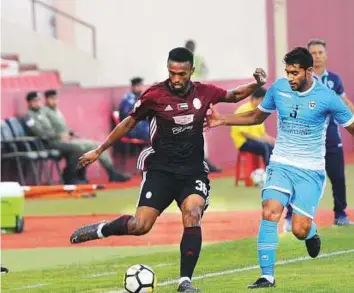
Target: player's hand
<point x="213" y="118"/>
<point x="260" y="76"/>
<point x="88" y="158"/>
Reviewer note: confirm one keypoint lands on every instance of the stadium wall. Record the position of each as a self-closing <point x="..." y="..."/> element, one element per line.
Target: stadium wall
<point x="19" y="12"/>
<point x="300" y="29"/>
<point x="49" y="53"/>
<point x="332" y="21"/>
<point x="146" y="30"/>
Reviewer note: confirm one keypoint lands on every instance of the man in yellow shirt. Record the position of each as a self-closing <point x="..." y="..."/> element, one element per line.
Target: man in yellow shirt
<point x="254" y="138"/>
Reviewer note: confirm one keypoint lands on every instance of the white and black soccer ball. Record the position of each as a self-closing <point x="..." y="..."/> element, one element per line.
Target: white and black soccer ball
<point x="140" y="279"/>
<point x="258" y="177"/>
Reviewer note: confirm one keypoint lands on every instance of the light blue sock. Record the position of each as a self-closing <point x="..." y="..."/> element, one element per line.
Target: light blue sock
<point x="313" y="231"/>
<point x="267" y="244"/>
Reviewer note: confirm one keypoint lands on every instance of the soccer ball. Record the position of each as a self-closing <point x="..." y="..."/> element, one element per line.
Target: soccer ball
<point x="258" y="177"/>
<point x="139" y="279"/>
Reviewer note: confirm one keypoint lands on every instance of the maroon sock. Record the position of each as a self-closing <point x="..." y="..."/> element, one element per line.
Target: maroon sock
<point x="190" y="249"/>
<point x="116" y="227"/>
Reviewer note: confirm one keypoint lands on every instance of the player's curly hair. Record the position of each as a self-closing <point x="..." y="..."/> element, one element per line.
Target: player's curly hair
<point x="181" y="54"/>
<point x="301" y="56"/>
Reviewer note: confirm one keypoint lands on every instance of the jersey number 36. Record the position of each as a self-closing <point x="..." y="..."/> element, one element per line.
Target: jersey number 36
<point x="201" y="186"/>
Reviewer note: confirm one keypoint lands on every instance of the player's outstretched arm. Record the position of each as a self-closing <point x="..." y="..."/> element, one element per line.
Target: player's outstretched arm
<point x="350" y="128"/>
<point x="117" y="133"/>
<point x="253" y="117"/>
<point x="341" y="112"/>
<point x="348" y="102"/>
<point x="243" y="91"/>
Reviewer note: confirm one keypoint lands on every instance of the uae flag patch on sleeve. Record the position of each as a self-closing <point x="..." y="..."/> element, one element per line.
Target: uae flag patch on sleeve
<point x="182" y="106"/>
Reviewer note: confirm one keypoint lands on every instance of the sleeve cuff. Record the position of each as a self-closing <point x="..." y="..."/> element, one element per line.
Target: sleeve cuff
<point x="349" y="122"/>
<point x="264" y="109"/>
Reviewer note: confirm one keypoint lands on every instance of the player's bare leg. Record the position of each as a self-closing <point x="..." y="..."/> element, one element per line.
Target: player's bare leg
<point x="139" y="224"/>
<point x="192" y="210"/>
<point x="304" y="228"/>
<point x="268" y="241"/>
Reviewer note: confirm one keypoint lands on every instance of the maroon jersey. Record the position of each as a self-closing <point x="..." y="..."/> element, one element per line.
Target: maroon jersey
<point x="176" y="127"/>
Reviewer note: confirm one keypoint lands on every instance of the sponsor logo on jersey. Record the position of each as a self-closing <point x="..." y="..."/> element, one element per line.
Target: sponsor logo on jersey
<point x="168" y="108"/>
<point x="330" y="84"/>
<point x="197" y="103"/>
<point x="285" y="94"/>
<point x="184" y="119"/>
<point x="312" y="105"/>
<point x="182" y="106"/>
<point x="180" y="129"/>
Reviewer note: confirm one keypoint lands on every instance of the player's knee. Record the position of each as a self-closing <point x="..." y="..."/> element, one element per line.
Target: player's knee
<point x="270" y="213"/>
<point x="192" y="216"/>
<point x="140" y="226"/>
<point x="301" y="229"/>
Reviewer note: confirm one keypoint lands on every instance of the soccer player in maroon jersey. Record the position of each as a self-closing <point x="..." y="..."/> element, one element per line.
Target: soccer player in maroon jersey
<point x="173" y="166"/>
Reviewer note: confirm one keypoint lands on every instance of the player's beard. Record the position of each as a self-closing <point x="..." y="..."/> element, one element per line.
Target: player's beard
<point x="302" y="85"/>
<point x="180" y="90"/>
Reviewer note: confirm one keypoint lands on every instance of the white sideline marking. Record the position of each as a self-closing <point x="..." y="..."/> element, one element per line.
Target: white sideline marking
<point x="100" y="275"/>
<point x="161" y="265"/>
<point x="249" y="268"/>
<point x="211" y="275"/>
<point x="31" y="286"/>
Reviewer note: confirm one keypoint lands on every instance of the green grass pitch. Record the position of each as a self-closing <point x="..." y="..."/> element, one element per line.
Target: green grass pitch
<point x="223" y="267"/>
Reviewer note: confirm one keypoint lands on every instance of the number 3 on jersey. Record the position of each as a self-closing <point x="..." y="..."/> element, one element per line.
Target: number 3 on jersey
<point x="293" y="114"/>
<point x="201" y="186"/>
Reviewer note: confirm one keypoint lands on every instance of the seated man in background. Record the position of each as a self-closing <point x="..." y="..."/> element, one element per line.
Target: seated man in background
<point x="141" y="130"/>
<point x="253" y="139"/>
<point x="79" y="145"/>
<point x="39" y="125"/>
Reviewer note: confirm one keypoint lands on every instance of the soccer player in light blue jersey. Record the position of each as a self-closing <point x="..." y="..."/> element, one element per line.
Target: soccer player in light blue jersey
<point x="296" y="173"/>
<point x="334" y="146"/>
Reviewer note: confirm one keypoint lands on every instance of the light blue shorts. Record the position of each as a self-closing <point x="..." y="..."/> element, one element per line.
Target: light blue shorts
<point x="301" y="188"/>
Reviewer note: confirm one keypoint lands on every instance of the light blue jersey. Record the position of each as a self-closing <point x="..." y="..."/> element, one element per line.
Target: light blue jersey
<point x="296" y="173"/>
<point x="302" y="122"/>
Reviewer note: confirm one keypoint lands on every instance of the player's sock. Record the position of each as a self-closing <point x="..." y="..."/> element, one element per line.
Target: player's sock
<point x="270" y="278"/>
<point x="313" y="231"/>
<point x="182" y="279"/>
<point x="190" y="249"/>
<point x="116" y="227"/>
<point x="267" y="244"/>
